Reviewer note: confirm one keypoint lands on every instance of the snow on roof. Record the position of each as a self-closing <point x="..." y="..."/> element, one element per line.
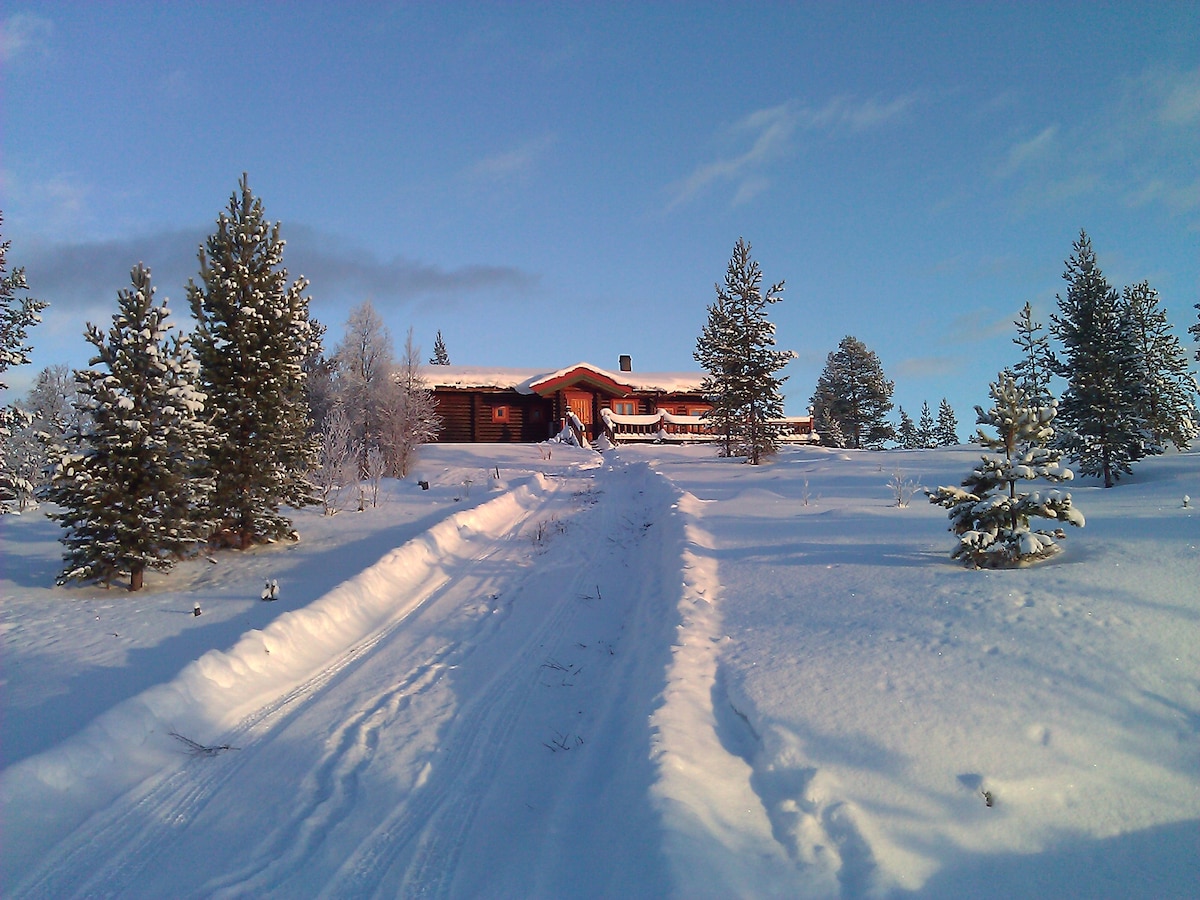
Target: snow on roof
<point x="521" y="380"/>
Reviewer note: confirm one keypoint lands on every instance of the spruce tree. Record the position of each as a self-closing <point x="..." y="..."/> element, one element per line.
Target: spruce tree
<point x="1104" y="405"/>
<point x="829" y="431"/>
<point x="715" y="353"/>
<point x="989" y="515"/>
<point x="946" y="431"/>
<point x="130" y="483"/>
<point x="925" y="428"/>
<point x="440" y="356"/>
<point x="1170" y="411"/>
<point x="737" y="347"/>
<point x="906" y="433"/>
<point x="253" y="337"/>
<point x="853" y="391"/>
<point x="1036" y="365"/>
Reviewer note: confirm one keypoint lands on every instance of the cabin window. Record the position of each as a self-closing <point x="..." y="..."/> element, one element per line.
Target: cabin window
<point x="537" y="415"/>
<point x="624" y="407"/>
<point x="500" y="413"/>
<point x="698" y="410"/>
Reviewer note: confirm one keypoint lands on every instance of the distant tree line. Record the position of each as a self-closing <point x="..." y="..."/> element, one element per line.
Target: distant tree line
<point x="1127" y="391"/>
<point x="169" y="441"/>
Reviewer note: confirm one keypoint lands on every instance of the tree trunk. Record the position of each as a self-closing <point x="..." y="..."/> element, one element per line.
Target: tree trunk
<point x="136" y="574"/>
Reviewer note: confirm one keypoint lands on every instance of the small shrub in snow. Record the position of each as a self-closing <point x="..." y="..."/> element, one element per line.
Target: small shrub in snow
<point x="988" y="514"/>
<point x="903" y="489"/>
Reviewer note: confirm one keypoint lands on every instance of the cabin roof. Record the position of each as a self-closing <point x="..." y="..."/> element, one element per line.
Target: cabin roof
<point x="531" y="381"/>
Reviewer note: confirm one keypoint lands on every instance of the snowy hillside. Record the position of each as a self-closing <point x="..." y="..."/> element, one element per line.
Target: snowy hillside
<point x="643" y="674"/>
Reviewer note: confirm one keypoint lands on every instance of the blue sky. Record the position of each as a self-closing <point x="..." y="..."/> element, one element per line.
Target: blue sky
<point x="547" y="183"/>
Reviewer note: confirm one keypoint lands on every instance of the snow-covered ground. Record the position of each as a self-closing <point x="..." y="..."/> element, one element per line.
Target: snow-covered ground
<point x="642" y="674"/>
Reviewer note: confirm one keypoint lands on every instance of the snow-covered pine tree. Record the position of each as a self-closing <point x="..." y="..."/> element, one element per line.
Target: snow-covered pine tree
<point x="1171" y="413"/>
<point x="946" y="431"/>
<point x="750" y="375"/>
<point x="412" y="420"/>
<point x="365" y="384"/>
<point x="253" y="336"/>
<point x="715" y="353"/>
<point x="906" y="433"/>
<point x="829" y="430"/>
<point x="319" y="375"/>
<point x="991" y="518"/>
<point x="853" y="391"/>
<point x="17" y="316"/>
<point x="32" y="444"/>
<point x="1036" y="365"/>
<point x="130" y="484"/>
<point x="440" y="356"/>
<point x="925" y="427"/>
<point x="1104" y="405"/>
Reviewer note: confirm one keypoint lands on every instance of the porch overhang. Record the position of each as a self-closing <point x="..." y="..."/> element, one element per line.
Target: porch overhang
<point x="581" y="377"/>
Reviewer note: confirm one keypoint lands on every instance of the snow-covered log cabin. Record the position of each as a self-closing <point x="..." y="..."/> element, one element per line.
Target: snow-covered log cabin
<point x="488" y="405"/>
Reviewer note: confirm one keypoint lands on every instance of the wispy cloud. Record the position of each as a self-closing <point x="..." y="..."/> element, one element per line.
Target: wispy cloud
<point x="767" y="135"/>
<point x="24" y="34"/>
<point x="1181" y="106"/>
<point x="513" y="163"/>
<point x="1024" y="152"/>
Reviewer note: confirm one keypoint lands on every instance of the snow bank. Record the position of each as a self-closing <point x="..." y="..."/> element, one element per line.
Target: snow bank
<point x="55" y="791"/>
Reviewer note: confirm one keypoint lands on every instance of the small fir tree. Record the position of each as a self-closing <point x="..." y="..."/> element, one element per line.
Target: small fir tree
<point x="440" y="356"/>
<point x="906" y="433"/>
<point x="1171" y="413"/>
<point x="1036" y="365"/>
<point x="737" y="347"/>
<point x="129" y="485"/>
<point x="829" y="430"/>
<point x="253" y="337"/>
<point x="715" y="353"/>
<point x="925" y="428"/>
<point x="946" y="431"/>
<point x="989" y="515"/>
<point x="853" y="391"/>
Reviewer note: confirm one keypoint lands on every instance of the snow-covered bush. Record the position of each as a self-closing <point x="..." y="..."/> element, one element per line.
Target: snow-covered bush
<point x="988" y="514"/>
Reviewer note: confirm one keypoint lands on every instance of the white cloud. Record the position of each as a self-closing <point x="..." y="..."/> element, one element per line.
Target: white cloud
<point x="1024" y="152"/>
<point x="1182" y="103"/>
<point x="24" y="34"/>
<point x="770" y="132"/>
<point x="513" y="163"/>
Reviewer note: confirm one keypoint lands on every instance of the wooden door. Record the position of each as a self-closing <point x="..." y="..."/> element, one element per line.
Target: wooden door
<point x="581" y="404"/>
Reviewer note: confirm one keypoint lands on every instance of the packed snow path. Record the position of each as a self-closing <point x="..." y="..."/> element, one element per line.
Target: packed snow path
<point x="497" y="712"/>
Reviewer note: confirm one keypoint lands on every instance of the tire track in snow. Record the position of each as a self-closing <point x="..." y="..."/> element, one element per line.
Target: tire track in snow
<point x="129" y="832"/>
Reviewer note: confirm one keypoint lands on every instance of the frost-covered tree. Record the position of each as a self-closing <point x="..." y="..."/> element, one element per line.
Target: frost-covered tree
<point x="989" y="515"/>
<point x="925" y="427"/>
<point x="829" y="431"/>
<point x="853" y="391"/>
<point x="946" y="431"/>
<point x="252" y="338"/>
<point x="17" y="315"/>
<point x="1105" y="403"/>
<point x="739" y="353"/>
<point x="1036" y="366"/>
<point x="906" y="432"/>
<point x="412" y="418"/>
<point x="129" y="485"/>
<point x="1170" y="412"/>
<point x="46" y="415"/>
<point x="440" y="356"/>
<point x="365" y="386"/>
<point x="337" y="460"/>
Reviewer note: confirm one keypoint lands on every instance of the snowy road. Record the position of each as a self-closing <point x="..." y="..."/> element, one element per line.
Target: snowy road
<point x="499" y="714"/>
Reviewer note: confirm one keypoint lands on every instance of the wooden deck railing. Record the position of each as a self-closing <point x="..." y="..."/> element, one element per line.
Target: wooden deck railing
<point x="670" y="428"/>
